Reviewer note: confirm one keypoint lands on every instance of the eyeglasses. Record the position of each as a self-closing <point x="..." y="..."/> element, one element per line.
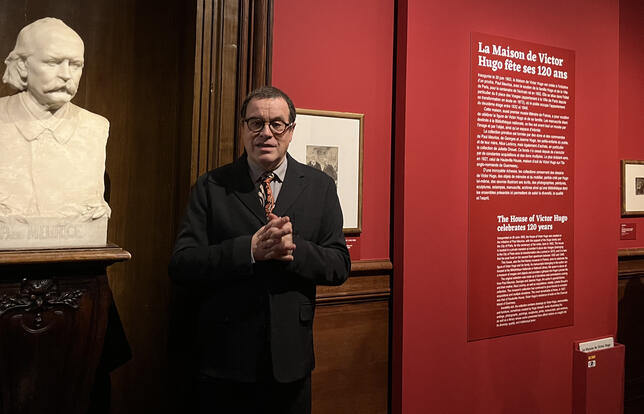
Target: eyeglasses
<point x="257" y="124"/>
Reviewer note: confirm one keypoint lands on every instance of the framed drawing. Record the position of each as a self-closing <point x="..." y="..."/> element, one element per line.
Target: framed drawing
<point x="632" y="188"/>
<point x="332" y="142"/>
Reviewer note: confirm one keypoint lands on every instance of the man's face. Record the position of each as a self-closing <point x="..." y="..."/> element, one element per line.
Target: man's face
<point x="264" y="147"/>
<point x="322" y="157"/>
<point x="54" y="68"/>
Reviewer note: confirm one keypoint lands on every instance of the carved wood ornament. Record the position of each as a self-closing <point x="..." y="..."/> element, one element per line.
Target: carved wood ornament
<point x="36" y="297"/>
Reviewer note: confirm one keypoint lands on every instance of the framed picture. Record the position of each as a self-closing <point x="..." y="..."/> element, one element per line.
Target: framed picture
<point x="332" y="142"/>
<point x="632" y="188"/>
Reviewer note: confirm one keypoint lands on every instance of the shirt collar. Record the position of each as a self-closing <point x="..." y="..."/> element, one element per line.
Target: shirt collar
<point x="62" y="125"/>
<point x="257" y="171"/>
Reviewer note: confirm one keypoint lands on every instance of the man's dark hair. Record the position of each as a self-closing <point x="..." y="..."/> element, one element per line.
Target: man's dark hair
<point x="269" y="92"/>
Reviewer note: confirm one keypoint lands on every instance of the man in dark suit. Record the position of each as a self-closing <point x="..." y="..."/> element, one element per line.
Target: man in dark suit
<point x="257" y="237"/>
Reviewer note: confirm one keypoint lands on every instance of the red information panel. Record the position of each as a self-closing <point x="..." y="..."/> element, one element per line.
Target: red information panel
<point x="520" y="253"/>
<point x="627" y="231"/>
<point x="353" y="244"/>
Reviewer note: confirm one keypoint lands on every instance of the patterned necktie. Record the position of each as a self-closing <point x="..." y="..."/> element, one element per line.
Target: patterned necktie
<point x="269" y="202"/>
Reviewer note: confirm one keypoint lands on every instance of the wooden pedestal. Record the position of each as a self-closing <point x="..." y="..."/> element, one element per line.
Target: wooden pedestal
<point x="54" y="308"/>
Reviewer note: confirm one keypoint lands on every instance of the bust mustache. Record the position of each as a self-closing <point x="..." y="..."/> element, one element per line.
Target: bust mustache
<point x="68" y="88"/>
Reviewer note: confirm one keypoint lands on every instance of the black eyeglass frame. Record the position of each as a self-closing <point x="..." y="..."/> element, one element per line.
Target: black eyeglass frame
<point x="286" y="126"/>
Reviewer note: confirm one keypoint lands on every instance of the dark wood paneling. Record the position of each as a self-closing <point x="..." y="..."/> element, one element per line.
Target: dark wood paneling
<point x="630" y="326"/>
<point x="214" y="104"/>
<point x="233" y="56"/>
<point x="351" y="333"/>
<point x="143" y="164"/>
<point x="255" y="53"/>
<point x="351" y="348"/>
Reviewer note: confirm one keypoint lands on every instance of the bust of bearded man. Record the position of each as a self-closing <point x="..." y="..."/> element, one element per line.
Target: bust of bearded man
<point x="52" y="152"/>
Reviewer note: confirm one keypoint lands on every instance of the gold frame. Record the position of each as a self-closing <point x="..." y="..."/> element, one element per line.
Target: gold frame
<point x="624" y="190"/>
<point x="345" y="115"/>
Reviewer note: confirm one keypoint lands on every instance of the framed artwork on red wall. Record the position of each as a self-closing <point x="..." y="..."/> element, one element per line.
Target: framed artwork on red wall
<point x="332" y="142"/>
<point x="632" y="188"/>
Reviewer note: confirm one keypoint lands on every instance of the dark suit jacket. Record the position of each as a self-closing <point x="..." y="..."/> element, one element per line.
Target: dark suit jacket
<point x="246" y="306"/>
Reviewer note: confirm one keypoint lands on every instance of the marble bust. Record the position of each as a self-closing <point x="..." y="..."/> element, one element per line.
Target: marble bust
<point x="52" y="152"/>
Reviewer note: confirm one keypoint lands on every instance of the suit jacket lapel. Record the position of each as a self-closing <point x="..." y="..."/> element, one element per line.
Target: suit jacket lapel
<point x="294" y="183"/>
<point x="244" y="188"/>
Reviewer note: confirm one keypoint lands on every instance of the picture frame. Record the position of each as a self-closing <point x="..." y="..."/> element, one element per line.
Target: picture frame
<point x="632" y="188"/>
<point x="333" y="142"/>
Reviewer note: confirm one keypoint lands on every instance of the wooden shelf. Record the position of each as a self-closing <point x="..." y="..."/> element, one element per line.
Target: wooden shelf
<point x="109" y="253"/>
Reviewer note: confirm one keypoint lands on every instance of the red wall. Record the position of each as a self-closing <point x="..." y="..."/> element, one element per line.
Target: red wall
<point x="337" y="55"/>
<point x="631" y="91"/>
<point x="437" y="369"/>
